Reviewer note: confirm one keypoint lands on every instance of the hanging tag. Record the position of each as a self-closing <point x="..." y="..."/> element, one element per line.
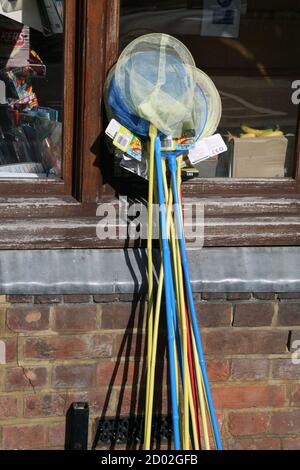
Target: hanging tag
<point x="122" y="139"/>
<point x="216" y="145"/>
<point x="112" y="128"/>
<point x="207" y="148"/>
<point x="199" y="153"/>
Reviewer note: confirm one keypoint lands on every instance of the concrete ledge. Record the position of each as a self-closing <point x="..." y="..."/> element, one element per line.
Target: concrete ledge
<point x="261" y="269"/>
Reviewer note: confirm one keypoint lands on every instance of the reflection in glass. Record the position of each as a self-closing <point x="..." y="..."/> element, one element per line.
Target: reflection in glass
<point x="31" y="88"/>
<point x="250" y="50"/>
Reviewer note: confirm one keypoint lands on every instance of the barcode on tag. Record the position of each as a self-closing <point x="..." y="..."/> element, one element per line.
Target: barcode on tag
<point x="168" y="144"/>
<point x="123" y="139"/>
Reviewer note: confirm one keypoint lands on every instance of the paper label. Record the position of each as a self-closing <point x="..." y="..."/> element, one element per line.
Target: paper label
<point x="123" y="139"/>
<point x="113" y="128"/>
<point x="183" y="143"/>
<point x="199" y="153"/>
<point x="207" y="148"/>
<point x="168" y="144"/>
<point x="216" y="145"/>
<point x="221" y="18"/>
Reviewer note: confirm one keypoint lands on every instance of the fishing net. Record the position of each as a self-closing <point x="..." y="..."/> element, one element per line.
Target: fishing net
<point x="116" y="108"/>
<point x="213" y="101"/>
<point x="155" y="79"/>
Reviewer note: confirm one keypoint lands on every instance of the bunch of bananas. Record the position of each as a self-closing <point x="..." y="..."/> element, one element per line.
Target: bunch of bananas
<point x="249" y="132"/>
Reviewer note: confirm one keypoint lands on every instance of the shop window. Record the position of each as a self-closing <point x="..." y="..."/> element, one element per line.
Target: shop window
<point x="250" y="50"/>
<point x="31" y="88"/>
<point x="37" y="95"/>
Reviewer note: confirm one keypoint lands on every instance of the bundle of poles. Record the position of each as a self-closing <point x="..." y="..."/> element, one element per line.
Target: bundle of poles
<point x="193" y="416"/>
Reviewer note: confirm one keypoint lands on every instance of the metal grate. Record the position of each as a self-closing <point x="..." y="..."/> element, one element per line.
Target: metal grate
<point x="130" y="430"/>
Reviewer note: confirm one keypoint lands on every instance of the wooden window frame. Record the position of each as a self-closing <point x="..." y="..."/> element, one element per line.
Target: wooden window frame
<point x="62" y="214"/>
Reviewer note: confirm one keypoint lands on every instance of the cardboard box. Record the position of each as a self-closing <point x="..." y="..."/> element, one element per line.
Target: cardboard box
<point x="262" y="157"/>
<point x="207" y="168"/>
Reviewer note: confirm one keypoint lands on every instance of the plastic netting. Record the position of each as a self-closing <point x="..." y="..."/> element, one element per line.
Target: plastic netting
<point x="155" y="76"/>
<point x="213" y="100"/>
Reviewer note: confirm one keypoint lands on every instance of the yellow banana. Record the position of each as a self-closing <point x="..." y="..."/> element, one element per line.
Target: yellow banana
<point x="250" y="130"/>
<point x="248" y="136"/>
<point x="256" y="132"/>
<point x="272" y="134"/>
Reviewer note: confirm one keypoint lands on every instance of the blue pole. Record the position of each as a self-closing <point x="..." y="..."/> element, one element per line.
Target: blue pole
<point x="167" y="288"/>
<point x="173" y="169"/>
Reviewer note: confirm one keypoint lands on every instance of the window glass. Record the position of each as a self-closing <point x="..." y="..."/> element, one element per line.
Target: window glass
<point x="31" y="88"/>
<point x="250" y="50"/>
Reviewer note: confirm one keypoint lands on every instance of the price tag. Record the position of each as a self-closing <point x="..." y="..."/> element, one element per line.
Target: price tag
<point x="168" y="144"/>
<point x="207" y="148"/>
<point x="199" y="153"/>
<point x="216" y="145"/>
<point x="113" y="128"/>
<point x="122" y="139"/>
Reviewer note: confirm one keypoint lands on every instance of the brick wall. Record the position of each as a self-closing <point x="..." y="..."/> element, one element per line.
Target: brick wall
<point x="61" y="349"/>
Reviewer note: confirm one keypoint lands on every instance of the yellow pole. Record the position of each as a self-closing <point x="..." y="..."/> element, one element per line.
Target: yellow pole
<point x="152" y="135"/>
<point x="202" y="398"/>
<point x="152" y="358"/>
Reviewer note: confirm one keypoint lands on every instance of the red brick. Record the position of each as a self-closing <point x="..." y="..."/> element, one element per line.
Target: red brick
<point x="132" y="297"/>
<point x="118" y="373"/>
<point x="24" y="437"/>
<point x="218" y="371"/>
<point x="250" y="396"/>
<point x="51" y="404"/>
<point x="75" y="376"/>
<point x="285" y="369"/>
<point x="214" y="314"/>
<point x="288" y="295"/>
<point x="264" y="295"/>
<point x="57" y="404"/>
<point x="295" y="395"/>
<point x="19" y="378"/>
<point x="253" y="314"/>
<point x="221" y="421"/>
<point x="10" y="349"/>
<point x="131" y="400"/>
<point x="291" y="443"/>
<point x="77" y="298"/>
<point x="133" y="345"/>
<point x="75" y="318"/>
<point x="24" y="318"/>
<point x="121" y="316"/>
<point x="213" y="295"/>
<point x="106" y="298"/>
<point x="265" y="443"/>
<point x="246" y="342"/>
<point x="8" y="407"/>
<point x="248" y="424"/>
<point x="289" y="314"/>
<point x="48" y="299"/>
<point x="249" y="369"/>
<point x="285" y="422"/>
<point x="20" y="299"/>
<point x="239" y="295"/>
<point x="68" y="347"/>
<point x="96" y="400"/>
<point x="56" y="434"/>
